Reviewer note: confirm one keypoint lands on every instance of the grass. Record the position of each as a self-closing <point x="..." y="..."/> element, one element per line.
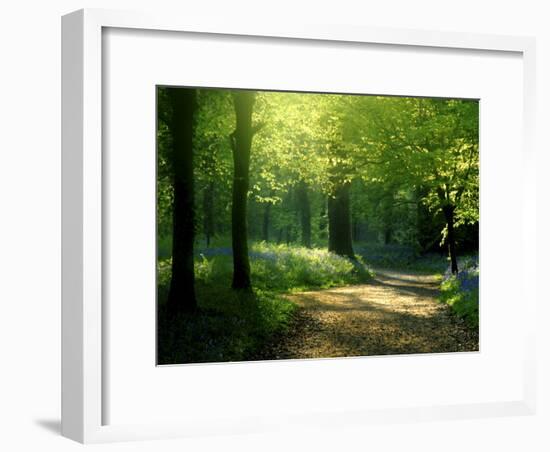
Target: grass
<point x="235" y="325"/>
<point x="461" y="293"/>
<point x="229" y="326"/>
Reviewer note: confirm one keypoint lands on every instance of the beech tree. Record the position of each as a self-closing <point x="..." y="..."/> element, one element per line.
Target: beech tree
<point x="430" y="146"/>
<point x="181" y="297"/>
<point x="241" y="143"/>
<point x="311" y="169"/>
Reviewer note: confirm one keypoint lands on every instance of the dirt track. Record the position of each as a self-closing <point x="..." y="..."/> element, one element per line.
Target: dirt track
<point x="398" y="313"/>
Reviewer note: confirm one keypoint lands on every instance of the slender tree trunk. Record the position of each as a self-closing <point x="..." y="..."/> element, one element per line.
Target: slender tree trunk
<point x="305" y="213"/>
<point x="428" y="226"/>
<point x="448" y="211"/>
<point x="387" y="216"/>
<point x="339" y="222"/>
<point x="323" y="219"/>
<point x="208" y="209"/>
<point x="181" y="296"/>
<point x="265" y="224"/>
<point x="241" y="142"/>
<point x="387" y="235"/>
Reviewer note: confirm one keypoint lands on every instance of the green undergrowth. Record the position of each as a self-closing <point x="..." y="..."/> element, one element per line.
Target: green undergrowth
<point x="234" y="325"/>
<point x="462" y="295"/>
<point x="229" y="326"/>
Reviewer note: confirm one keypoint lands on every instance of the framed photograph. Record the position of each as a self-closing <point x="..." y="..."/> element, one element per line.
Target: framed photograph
<point x="255" y="217"/>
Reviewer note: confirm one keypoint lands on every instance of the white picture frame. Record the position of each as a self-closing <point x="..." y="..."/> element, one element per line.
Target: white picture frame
<point x="83" y="345"/>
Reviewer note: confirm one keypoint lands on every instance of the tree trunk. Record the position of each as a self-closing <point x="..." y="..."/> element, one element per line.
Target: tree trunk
<point x="323" y="220"/>
<point x="387" y="235"/>
<point x="428" y="225"/>
<point x="305" y="213"/>
<point x="387" y="215"/>
<point x="265" y="225"/>
<point x="241" y="143"/>
<point x="354" y="230"/>
<point x="339" y="222"/>
<point x="181" y="296"/>
<point x="448" y="211"/>
<point x="208" y="209"/>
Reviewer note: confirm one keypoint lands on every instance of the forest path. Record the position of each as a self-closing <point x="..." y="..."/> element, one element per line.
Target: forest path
<point x="396" y="313"/>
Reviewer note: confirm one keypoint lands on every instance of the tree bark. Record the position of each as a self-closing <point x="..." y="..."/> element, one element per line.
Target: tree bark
<point x="387" y="235"/>
<point x="354" y="230"/>
<point x="241" y="143"/>
<point x="266" y="220"/>
<point x="208" y="209"/>
<point x="305" y="213"/>
<point x="448" y="211"/>
<point x="181" y="296"/>
<point x="339" y="222"/>
<point x="323" y="220"/>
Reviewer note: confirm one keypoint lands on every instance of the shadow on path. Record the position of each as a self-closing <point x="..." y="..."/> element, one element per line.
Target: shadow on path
<point x="397" y="313"/>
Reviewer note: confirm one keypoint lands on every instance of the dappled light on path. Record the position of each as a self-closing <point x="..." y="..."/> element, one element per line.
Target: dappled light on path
<point x="398" y="313"/>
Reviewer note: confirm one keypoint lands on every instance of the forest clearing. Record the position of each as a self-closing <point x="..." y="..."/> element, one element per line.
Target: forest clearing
<point x="299" y="225"/>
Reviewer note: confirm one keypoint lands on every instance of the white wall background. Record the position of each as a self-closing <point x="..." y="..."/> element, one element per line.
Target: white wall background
<point x="30" y="223"/>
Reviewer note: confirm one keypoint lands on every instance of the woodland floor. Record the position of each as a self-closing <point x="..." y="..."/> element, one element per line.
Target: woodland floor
<point x="397" y="313"/>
